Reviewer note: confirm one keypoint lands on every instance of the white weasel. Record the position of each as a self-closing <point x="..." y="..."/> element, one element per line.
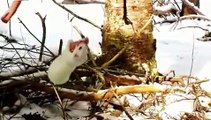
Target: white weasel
<point x="74" y="55"/>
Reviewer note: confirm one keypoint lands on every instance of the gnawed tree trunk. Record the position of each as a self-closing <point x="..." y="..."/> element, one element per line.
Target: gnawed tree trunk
<point x="139" y="55"/>
<point x="186" y="10"/>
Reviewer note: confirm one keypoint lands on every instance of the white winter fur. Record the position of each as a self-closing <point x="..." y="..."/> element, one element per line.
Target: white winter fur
<point x="62" y="67"/>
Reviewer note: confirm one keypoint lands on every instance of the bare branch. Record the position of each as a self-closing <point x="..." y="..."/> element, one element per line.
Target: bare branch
<point x="34" y="36"/>
<point x="43" y="35"/>
<point x="79" y="32"/>
<point x="75" y="15"/>
<point x="60" y="47"/>
<point x="8" y="75"/>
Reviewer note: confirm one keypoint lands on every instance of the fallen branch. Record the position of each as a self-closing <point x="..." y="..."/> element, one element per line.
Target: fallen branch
<point x="94" y="96"/>
<point x="13" y="74"/>
<point x="25" y="78"/>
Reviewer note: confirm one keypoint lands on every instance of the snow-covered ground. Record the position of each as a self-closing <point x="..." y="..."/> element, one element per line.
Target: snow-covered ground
<point x="176" y="49"/>
<point x="179" y="49"/>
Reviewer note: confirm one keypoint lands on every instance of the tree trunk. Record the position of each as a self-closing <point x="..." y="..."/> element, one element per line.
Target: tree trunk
<point x="137" y="37"/>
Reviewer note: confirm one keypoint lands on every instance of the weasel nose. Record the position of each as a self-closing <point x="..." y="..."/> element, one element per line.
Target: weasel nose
<point x="86" y="40"/>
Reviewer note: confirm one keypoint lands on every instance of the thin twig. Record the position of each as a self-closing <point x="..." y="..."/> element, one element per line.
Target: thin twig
<point x="43" y="35"/>
<point x="122" y="106"/>
<point x="75" y="15"/>
<point x="35" y="36"/>
<point x="18" y="55"/>
<point x="60" y="47"/>
<point x="60" y="102"/>
<point x="10" y="23"/>
<point x="23" y="49"/>
<point x="99" y="74"/>
<point x="79" y="31"/>
<point x="114" y="58"/>
<point x="192" y="58"/>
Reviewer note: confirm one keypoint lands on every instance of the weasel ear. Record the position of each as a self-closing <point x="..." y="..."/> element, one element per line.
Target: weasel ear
<point x="71" y="45"/>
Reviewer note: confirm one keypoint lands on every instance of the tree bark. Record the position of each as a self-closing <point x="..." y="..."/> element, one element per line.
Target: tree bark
<point x="137" y="37"/>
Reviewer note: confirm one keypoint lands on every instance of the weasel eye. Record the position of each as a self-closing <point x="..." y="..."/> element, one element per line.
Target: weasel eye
<point x="80" y="48"/>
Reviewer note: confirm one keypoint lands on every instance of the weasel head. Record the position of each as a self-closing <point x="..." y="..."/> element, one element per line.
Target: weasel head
<point x="78" y="51"/>
<point x="75" y="54"/>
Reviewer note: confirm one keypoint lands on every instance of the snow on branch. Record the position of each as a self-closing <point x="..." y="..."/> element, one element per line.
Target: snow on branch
<point x="195" y="17"/>
<point x="166" y="9"/>
<point x="171" y="11"/>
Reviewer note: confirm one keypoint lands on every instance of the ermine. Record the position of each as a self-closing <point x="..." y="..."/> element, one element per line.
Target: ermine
<point x="74" y="55"/>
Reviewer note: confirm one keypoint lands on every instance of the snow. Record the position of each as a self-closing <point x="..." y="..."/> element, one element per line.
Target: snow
<point x="180" y="45"/>
<point x="58" y="23"/>
<point x="177" y="47"/>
